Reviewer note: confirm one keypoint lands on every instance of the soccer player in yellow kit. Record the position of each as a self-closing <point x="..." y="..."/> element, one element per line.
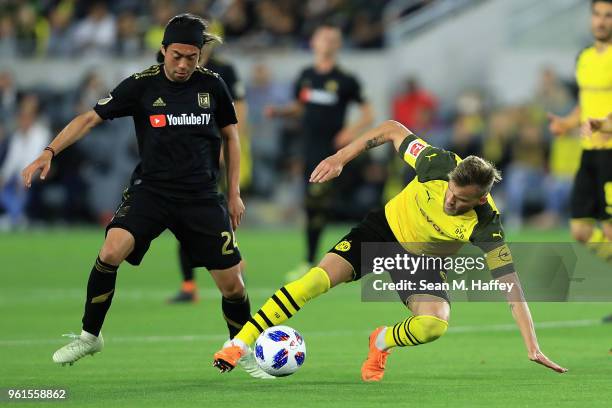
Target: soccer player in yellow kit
<point x="591" y="199"/>
<point x="449" y="202"/>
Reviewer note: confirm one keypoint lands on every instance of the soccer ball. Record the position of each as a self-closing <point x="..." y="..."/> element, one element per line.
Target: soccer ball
<point x="280" y="351"/>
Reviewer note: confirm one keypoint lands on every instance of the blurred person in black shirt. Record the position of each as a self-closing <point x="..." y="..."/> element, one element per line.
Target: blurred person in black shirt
<point x="322" y="94"/>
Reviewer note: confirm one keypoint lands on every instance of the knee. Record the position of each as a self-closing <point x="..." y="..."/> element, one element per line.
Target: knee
<point x="428" y="328"/>
<point x="581" y="231"/>
<point x="233" y="289"/>
<point x="112" y="253"/>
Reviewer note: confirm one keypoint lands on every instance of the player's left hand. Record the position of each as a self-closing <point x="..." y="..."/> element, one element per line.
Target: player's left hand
<point x="538" y="357"/>
<point x="328" y="169"/>
<point x="236" y="209"/>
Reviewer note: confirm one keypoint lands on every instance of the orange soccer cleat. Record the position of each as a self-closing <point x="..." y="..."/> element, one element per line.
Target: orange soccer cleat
<point x="373" y="369"/>
<point x="227" y="358"/>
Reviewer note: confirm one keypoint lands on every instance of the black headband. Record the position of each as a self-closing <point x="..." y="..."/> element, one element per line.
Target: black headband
<point x="183" y="32"/>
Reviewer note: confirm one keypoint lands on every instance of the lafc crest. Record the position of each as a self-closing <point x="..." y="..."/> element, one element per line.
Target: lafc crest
<point x="203" y="100"/>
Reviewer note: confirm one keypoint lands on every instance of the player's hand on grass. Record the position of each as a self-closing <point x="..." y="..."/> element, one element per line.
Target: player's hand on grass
<point x="236" y="209"/>
<point x="328" y="169"/>
<point x="539" y="357"/>
<point x="557" y="125"/>
<point x="42" y="163"/>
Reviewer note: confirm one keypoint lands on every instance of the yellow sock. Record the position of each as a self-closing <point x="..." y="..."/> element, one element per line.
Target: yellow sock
<point x="414" y="331"/>
<point x="600" y="245"/>
<point x="285" y="303"/>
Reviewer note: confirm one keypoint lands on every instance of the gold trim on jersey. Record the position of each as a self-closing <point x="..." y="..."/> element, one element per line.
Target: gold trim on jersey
<point x="206" y="71"/>
<point x="151" y="71"/>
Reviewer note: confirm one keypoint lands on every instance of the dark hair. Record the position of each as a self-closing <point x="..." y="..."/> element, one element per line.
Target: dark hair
<point x="190" y="29"/>
<point x="474" y="170"/>
<point x="600" y="1"/>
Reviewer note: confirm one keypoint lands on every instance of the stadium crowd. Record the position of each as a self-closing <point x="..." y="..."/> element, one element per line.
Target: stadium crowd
<point x="85" y="184"/>
<point x="76" y="28"/>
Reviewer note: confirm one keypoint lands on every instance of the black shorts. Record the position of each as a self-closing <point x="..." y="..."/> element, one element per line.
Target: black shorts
<point x="375" y="229"/>
<point x="318" y="197"/>
<point x="202" y="227"/>
<point x="592" y="191"/>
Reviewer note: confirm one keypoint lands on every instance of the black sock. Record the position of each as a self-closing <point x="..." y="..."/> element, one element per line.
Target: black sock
<point x="314" y="227"/>
<point x="100" y="291"/>
<point x="186" y="269"/>
<point x="236" y="313"/>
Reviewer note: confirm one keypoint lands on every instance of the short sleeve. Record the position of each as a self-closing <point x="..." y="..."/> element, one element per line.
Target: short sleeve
<point x="430" y="162"/>
<point x="488" y="235"/>
<point x="225" y="114"/>
<point x="122" y="101"/>
<point x="355" y="93"/>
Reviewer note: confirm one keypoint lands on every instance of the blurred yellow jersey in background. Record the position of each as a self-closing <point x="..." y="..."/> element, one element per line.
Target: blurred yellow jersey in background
<point x="594" y="77"/>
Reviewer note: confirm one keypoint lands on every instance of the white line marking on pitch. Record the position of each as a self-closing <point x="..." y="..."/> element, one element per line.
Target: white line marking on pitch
<point x="220" y="337"/>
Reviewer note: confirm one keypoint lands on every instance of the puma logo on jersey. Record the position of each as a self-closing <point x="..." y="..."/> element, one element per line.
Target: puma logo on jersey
<point x="429" y="156"/>
<point x="497" y="235"/>
<point x="159" y="102"/>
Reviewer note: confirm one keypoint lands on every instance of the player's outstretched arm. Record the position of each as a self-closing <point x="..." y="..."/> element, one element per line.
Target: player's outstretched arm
<point x="75" y="130"/>
<point x="231" y="153"/>
<point x="522" y="316"/>
<point x="388" y="131"/>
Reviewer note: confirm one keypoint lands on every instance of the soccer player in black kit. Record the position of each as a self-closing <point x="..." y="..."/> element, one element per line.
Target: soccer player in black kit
<point x="181" y="113"/>
<point x="322" y="93"/>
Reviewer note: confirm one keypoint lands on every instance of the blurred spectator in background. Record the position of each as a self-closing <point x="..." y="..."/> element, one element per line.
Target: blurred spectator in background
<point x="525" y="176"/>
<point x="31" y="30"/>
<point x="108" y="151"/>
<point x="367" y="28"/>
<point x="552" y="95"/>
<point x="8" y="98"/>
<point x="8" y="40"/>
<point x="265" y="133"/>
<point x="162" y="12"/>
<point x="60" y="41"/>
<point x="95" y="35"/>
<point x="129" y="41"/>
<point x="25" y="144"/>
<point x="468" y="126"/>
<point x="415" y="107"/>
<point x="237" y="19"/>
<point x="278" y="23"/>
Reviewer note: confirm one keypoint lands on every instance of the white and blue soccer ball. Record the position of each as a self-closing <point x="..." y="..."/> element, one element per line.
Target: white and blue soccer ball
<point x="280" y="351"/>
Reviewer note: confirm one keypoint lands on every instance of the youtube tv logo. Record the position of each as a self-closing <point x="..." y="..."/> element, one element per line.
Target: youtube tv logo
<point x="157" y="120"/>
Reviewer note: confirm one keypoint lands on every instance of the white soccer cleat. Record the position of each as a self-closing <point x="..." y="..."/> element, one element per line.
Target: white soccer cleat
<point x="247" y="363"/>
<point x="82" y="345"/>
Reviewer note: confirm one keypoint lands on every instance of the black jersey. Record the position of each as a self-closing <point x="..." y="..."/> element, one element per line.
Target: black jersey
<point x="229" y="76"/>
<point x="177" y="127"/>
<point x="325" y="98"/>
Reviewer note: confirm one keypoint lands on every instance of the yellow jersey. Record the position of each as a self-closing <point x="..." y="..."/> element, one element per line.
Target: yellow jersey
<point x="594" y="77"/>
<point x="418" y="221"/>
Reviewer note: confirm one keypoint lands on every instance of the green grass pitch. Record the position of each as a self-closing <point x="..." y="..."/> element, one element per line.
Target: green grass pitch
<point x="160" y="355"/>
